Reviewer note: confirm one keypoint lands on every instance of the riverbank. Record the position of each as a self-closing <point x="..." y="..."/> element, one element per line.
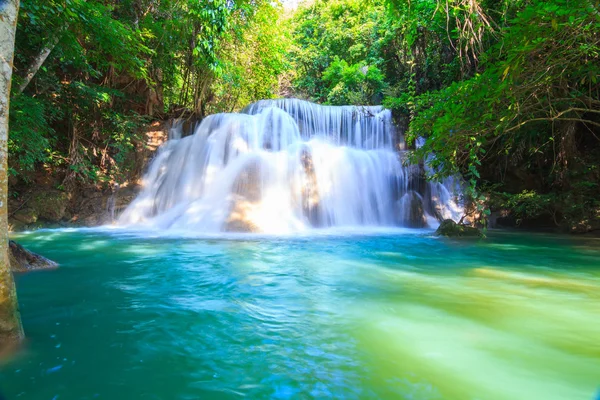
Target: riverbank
<point x="41" y="201"/>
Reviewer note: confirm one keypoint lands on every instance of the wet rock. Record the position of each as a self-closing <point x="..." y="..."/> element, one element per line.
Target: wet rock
<point x="410" y="211"/>
<point x="124" y="197"/>
<point x="247" y="193"/>
<point x="248" y="182"/>
<point x="102" y="207"/>
<point x="91" y="193"/>
<point x="310" y="190"/>
<point x="23" y="260"/>
<point x="450" y="228"/>
<point x="239" y="217"/>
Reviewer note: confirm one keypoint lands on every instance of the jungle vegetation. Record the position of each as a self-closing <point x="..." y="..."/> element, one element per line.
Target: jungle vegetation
<point x="506" y="93"/>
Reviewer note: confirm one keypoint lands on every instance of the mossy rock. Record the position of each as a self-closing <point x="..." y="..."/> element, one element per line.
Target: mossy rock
<point x="49" y="205"/>
<point x="450" y="228"/>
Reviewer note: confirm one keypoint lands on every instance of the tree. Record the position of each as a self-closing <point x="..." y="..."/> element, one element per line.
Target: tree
<point x="11" y="331"/>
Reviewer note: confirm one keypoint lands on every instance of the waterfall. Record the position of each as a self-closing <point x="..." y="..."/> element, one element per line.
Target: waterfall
<point x="288" y="165"/>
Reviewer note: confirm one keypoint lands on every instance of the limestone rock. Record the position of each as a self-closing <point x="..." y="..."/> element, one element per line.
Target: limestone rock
<point x="450" y="228"/>
<point x="22" y="260"/>
<point x="239" y="220"/>
<point x="124" y="197"/>
<point x="247" y="193"/>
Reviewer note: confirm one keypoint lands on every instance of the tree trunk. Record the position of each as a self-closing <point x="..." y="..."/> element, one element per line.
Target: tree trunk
<point x="39" y="60"/>
<point x="11" y="331"/>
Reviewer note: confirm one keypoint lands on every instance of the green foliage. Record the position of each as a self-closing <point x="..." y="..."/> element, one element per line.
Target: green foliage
<point x="530" y="204"/>
<point x="30" y="134"/>
<point x="337" y="51"/>
<point x="517" y="88"/>
<point x="352" y="84"/>
<point x="497" y="89"/>
<point x="114" y="64"/>
<point x="492" y="86"/>
<point x="253" y="58"/>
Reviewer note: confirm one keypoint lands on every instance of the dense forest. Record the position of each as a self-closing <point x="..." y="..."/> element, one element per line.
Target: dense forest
<point x="505" y="94"/>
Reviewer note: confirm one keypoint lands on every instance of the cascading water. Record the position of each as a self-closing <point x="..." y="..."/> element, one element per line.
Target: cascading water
<point x="288" y="165"/>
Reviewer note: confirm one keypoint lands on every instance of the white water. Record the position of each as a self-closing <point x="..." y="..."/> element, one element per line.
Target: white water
<point x="286" y="166"/>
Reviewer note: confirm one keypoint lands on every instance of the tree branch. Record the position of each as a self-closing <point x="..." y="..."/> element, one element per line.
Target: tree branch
<point x="41" y="57"/>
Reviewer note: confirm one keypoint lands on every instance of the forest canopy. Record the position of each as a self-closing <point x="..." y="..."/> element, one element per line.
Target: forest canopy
<point x="106" y="67"/>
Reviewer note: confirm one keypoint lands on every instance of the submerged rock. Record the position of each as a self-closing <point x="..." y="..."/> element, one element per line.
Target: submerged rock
<point x="450" y="228"/>
<point x="23" y="260"/>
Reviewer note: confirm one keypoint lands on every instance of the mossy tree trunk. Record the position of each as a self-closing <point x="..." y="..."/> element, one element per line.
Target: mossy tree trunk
<point x="11" y="331"/>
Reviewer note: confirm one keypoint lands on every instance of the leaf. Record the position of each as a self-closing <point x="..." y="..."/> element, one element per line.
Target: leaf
<point x="505" y="72"/>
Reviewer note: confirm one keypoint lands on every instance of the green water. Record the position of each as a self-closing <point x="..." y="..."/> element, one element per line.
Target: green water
<point x="394" y="316"/>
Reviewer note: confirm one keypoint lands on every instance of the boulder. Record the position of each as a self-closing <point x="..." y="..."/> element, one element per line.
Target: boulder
<point x="22" y="260"/>
<point x="450" y="228"/>
<point x="16" y="226"/>
<point x="26" y="216"/>
<point x="49" y="205"/>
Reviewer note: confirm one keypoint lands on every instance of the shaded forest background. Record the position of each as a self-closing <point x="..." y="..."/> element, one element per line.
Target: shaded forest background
<point x="505" y="92"/>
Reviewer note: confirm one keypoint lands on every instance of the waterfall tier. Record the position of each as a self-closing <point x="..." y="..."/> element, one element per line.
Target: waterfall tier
<point x="288" y="165"/>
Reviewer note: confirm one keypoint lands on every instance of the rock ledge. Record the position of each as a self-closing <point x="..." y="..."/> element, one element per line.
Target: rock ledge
<point x="22" y="260"/>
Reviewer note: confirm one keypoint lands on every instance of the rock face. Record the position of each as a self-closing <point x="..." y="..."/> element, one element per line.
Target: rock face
<point x="22" y="260"/>
<point x="450" y="228"/>
<point x="26" y="216"/>
<point x="41" y="205"/>
<point x="53" y="209"/>
<point x="42" y="208"/>
<point x="99" y="208"/>
<point x="410" y="211"/>
<point x="49" y="205"/>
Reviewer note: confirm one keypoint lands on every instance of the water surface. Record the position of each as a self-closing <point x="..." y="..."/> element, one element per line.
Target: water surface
<point x="394" y="316"/>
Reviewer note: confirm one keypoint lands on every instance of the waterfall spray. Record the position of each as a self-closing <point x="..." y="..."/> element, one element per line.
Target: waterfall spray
<point x="288" y="165"/>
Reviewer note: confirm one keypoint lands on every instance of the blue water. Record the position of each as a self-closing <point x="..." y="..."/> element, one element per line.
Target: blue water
<point x="382" y="315"/>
